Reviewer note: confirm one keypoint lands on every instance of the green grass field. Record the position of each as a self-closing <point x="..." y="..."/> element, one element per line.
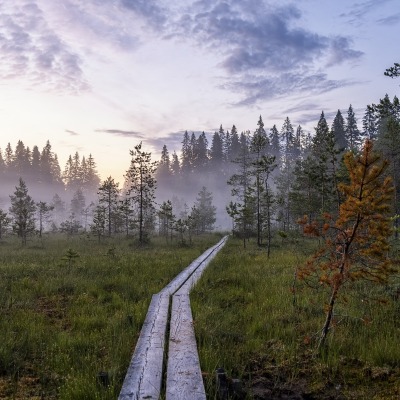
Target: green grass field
<point x="68" y="326"/>
<point x="250" y="321"/>
<point x="65" y="320"/>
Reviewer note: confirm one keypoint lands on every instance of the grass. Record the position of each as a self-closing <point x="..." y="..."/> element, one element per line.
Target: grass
<point x="71" y="310"/>
<point x="249" y="322"/>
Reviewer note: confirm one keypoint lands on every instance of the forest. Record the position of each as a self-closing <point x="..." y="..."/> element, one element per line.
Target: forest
<point x="256" y="183"/>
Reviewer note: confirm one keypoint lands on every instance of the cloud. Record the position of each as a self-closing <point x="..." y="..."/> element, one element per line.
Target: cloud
<point x="33" y="51"/>
<point x="263" y="48"/>
<point x="358" y="11"/>
<point x="340" y="51"/>
<point x="259" y="88"/>
<point x="122" y="133"/>
<point x="72" y="133"/>
<point x="250" y="35"/>
<point x="152" y="12"/>
<point x="301" y="107"/>
<point x="390" y="20"/>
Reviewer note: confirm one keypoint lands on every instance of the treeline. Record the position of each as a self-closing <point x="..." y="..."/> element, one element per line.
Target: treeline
<point x="131" y="210"/>
<point x="262" y="181"/>
<point x="41" y="171"/>
<point x="277" y="176"/>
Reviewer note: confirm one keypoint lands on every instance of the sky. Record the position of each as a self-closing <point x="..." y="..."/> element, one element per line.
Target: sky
<point x="99" y="76"/>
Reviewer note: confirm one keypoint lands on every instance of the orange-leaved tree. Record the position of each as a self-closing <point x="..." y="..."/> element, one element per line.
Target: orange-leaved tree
<point x="356" y="245"/>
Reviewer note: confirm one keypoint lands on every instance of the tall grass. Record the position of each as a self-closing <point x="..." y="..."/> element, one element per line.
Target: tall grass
<point x="257" y="322"/>
<point x="68" y="327"/>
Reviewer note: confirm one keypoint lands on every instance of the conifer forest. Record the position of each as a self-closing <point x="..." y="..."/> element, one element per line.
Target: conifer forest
<point x="253" y="183"/>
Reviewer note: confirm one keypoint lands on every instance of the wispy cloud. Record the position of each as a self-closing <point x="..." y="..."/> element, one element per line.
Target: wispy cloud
<point x="358" y="11"/>
<point x="72" y="133"/>
<point x="258" y="88"/>
<point x="122" y="133"/>
<point x="389" y="20"/>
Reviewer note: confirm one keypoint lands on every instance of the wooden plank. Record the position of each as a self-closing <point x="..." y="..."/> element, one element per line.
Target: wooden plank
<point x="181" y="278"/>
<point x="144" y="377"/>
<point x="184" y="380"/>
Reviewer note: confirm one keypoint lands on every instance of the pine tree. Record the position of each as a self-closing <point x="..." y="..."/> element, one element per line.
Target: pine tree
<point x="22" y="210"/>
<point x="164" y="166"/>
<point x="353" y="136"/>
<point x="98" y="225"/>
<point x="266" y="166"/>
<point x="339" y="130"/>
<point x="186" y="154"/>
<point x="175" y="166"/>
<point x="356" y="244"/>
<point x="394" y="71"/>
<point x="46" y="164"/>
<point x="142" y="188"/>
<point x="287" y="138"/>
<point x="369" y="123"/>
<point x="259" y="148"/>
<point x="205" y="211"/>
<point x="200" y="153"/>
<point x="2" y="166"/>
<point x="5" y="221"/>
<point x="216" y="152"/>
<point x="275" y="144"/>
<point x="21" y="162"/>
<point x="242" y="211"/>
<point x="59" y="209"/>
<point x="92" y="179"/>
<point x="78" y="205"/>
<point x="235" y="144"/>
<point x="108" y="199"/>
<point x="325" y="152"/>
<point x="35" y="166"/>
<point x="43" y="212"/>
<point x="166" y="219"/>
<point x="8" y="157"/>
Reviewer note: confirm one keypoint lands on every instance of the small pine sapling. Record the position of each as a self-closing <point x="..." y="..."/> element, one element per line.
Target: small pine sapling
<point x="356" y="244"/>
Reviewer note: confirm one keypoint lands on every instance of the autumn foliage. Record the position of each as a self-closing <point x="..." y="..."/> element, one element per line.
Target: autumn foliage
<point x="355" y="244"/>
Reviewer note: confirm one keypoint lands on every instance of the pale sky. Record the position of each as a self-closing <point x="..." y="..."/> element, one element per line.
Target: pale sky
<point x="99" y="76"/>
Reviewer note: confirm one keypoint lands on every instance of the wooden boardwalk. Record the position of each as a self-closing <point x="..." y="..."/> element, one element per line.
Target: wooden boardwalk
<point x="145" y="373"/>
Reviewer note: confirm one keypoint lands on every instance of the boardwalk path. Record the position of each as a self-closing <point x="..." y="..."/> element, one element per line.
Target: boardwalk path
<point x="145" y="373"/>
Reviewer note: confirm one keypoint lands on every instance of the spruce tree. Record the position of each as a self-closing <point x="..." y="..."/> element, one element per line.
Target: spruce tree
<point x="22" y="210"/>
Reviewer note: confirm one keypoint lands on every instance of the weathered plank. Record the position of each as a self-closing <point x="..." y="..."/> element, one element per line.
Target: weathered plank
<point x="184" y="379"/>
<point x="144" y="377"/>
